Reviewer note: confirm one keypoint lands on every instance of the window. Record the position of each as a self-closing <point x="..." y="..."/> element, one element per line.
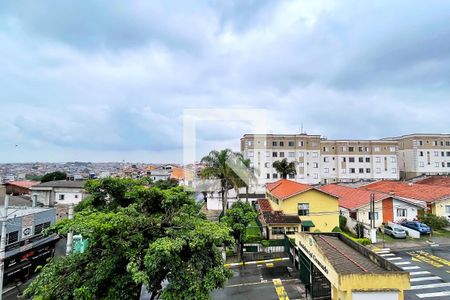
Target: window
<point x="274" y="175"/>
<point x="12" y="237"/>
<point x="392" y="148"/>
<point x="40" y="227"/>
<point x="291" y="230"/>
<point x="421" y="164"/>
<point x="376" y="149"/>
<point x="281" y="144"/>
<point x="436" y="153"/>
<point x="361" y="170"/>
<point x="367" y="159"/>
<point x="300" y="144"/>
<point x="436" y="164"/>
<point x="361" y="159"/>
<point x="291" y="144"/>
<point x="394" y="170"/>
<point x="76" y="196"/>
<point x="267" y="165"/>
<point x="301" y="165"/>
<point x="301" y="154"/>
<point x="448" y="165"/>
<point x="421" y="153"/>
<point x="291" y="176"/>
<point x="378" y="170"/>
<point x="316" y="176"/>
<point x="324" y="149"/>
<point x="435" y="143"/>
<point x="277" y="230"/>
<point x="447" y="143"/>
<point x="343" y="148"/>
<point x="315" y="165"/>
<point x="360" y="149"/>
<point x="351" y="149"/>
<point x="274" y="143"/>
<point x="250" y="153"/>
<point x="316" y="154"/>
<point x="421" y="143"/>
<point x="366" y="149"/>
<point x="367" y="170"/>
<point x="352" y="170"/>
<point x="61" y="197"/>
<point x="448" y="153"/>
<point x="267" y="153"/>
<point x="268" y="175"/>
<point x="402" y="212"/>
<point x="326" y="159"/>
<point x="326" y="170"/>
<point x="303" y="209"/>
<point x="443" y="164"/>
<point x="291" y="154"/>
<point x="375" y="215"/>
<point x="274" y="154"/>
<point x="281" y="154"/>
<point x="393" y="159"/>
<point x="344" y="159"/>
<point x="343" y="171"/>
<point x="442" y="153"/>
<point x="447" y="209"/>
<point x="378" y="159"/>
<point x="351" y="159"/>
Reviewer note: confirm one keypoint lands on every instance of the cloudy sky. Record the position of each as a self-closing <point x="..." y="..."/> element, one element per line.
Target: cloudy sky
<point x="110" y="80"/>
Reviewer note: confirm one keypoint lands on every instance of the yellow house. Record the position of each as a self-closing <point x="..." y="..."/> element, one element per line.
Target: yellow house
<point x="291" y="207"/>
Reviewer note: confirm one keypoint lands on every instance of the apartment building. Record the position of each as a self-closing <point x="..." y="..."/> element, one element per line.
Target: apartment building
<point x="423" y="154"/>
<point x="319" y="160"/>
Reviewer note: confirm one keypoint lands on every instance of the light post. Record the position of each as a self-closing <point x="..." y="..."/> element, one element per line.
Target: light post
<point x="70" y="234"/>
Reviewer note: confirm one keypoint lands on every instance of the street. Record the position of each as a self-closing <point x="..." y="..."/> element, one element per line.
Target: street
<point x="429" y="268"/>
<point x="262" y="280"/>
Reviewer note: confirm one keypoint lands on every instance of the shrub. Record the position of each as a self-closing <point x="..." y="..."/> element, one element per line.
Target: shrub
<point x="342" y="222"/>
<point x="265" y="243"/>
<point x="336" y="229"/>
<point x="434" y="221"/>
<point x="359" y="229"/>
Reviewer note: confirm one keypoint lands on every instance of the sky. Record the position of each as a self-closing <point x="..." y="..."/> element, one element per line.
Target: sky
<point x="112" y="80"/>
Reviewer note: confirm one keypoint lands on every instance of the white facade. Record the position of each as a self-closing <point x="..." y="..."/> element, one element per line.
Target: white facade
<point x="404" y="210"/>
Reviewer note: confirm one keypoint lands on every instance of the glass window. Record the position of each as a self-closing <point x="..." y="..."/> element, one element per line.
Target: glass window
<point x="367" y="159"/>
<point x="402" y="212"/>
<point x="281" y="144"/>
<point x="281" y="154"/>
<point x="447" y="209"/>
<point x="277" y="230"/>
<point x="274" y="154"/>
<point x="351" y="159"/>
<point x="360" y="159"/>
<point x="291" y="144"/>
<point x="274" y="143"/>
<point x="375" y="215"/>
<point x="303" y="209"/>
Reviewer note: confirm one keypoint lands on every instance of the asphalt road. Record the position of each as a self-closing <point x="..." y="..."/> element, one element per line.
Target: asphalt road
<point x="429" y="269"/>
<point x="262" y="281"/>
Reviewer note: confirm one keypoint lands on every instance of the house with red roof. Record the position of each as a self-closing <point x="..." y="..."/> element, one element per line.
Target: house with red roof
<point x="436" y="180"/>
<point x="17" y="188"/>
<point x="355" y="203"/>
<point x="290" y="207"/>
<point x="437" y="198"/>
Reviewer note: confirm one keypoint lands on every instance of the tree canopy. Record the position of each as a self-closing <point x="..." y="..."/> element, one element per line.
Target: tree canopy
<point x="285" y="168"/>
<point x="58" y="175"/>
<point x="138" y="235"/>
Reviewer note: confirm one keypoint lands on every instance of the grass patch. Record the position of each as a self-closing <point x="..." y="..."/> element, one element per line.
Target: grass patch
<point x="441" y="233"/>
<point x="253" y="229"/>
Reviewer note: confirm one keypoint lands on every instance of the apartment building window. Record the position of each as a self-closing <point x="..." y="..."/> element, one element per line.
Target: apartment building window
<point x="344" y="159"/>
<point x="366" y="149"/>
<point x="421" y="164"/>
<point x="351" y="149"/>
<point x="268" y="175"/>
<point x="343" y="171"/>
<point x="361" y="159"/>
<point x="377" y="159"/>
<point x="267" y="165"/>
<point x="443" y="164"/>
<point x="392" y="148"/>
<point x="265" y="143"/>
<point x="367" y="159"/>
<point x="303" y="209"/>
<point x="291" y="143"/>
<point x="326" y="170"/>
<point x="378" y="170"/>
<point x="420" y="143"/>
<point x="442" y="143"/>
<point x="325" y="149"/>
<point x="352" y="171"/>
<point x="316" y="175"/>
<point x="360" y="149"/>
<point x="448" y="153"/>
<point x="375" y="215"/>
<point x="351" y="159"/>
<point x="250" y="153"/>
<point x="447" y="143"/>
<point x="435" y="143"/>
<point x="12" y="237"/>
<point x="274" y="154"/>
<point x="281" y="154"/>
<point x="315" y="165"/>
<point x="274" y="175"/>
<point x="301" y="154"/>
<point x="291" y="176"/>
<point x="315" y="154"/>
<point x="402" y="212"/>
<point x="343" y="148"/>
<point x="442" y="153"/>
<point x="376" y="149"/>
<point x="281" y="144"/>
<point x="300" y="143"/>
<point x="314" y="144"/>
<point x="61" y="197"/>
<point x="436" y="153"/>
<point x="367" y="170"/>
<point x="393" y="159"/>
<point x="326" y="159"/>
<point x="447" y="209"/>
<point x="436" y="164"/>
<point x="361" y="170"/>
<point x="448" y="165"/>
<point x="394" y="170"/>
<point x="291" y="154"/>
<point x="301" y="165"/>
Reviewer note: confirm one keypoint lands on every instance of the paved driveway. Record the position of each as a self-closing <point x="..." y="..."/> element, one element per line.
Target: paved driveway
<point x="274" y="280"/>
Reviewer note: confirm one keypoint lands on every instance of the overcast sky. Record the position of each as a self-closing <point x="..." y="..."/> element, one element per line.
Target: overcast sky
<point x="109" y="80"/>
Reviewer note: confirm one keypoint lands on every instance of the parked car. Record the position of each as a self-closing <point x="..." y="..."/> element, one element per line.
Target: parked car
<point x="420" y="227"/>
<point x="395" y="231"/>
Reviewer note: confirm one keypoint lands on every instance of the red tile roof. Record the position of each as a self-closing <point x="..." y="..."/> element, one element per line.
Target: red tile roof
<point x="264" y="205"/>
<point x="23" y="184"/>
<point x="284" y="188"/>
<point x="423" y="192"/>
<point x="352" y="198"/>
<point x="277" y="217"/>
<point x="436" y="180"/>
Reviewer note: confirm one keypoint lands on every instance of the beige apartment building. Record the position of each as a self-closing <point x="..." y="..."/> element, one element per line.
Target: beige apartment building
<point x="423" y="154"/>
<point x="319" y="160"/>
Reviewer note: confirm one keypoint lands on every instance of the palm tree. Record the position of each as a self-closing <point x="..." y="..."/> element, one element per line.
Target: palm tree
<point x="285" y="168"/>
<point x="216" y="167"/>
<point x="237" y="181"/>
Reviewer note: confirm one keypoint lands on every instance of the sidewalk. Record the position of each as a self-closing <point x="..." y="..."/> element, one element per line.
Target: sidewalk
<point x="419" y="243"/>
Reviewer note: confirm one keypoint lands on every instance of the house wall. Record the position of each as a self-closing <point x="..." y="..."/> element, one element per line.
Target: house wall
<point x="323" y="209"/>
<point x="388" y="212"/>
<point x="281" y="236"/>
<point x="70" y="195"/>
<point x="363" y="214"/>
<point x="439" y="208"/>
<point x="411" y="211"/>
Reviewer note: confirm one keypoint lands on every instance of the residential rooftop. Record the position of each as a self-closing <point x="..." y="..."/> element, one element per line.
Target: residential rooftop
<point x="284" y="188"/>
<point x="352" y="198"/>
<point x="61" y="184"/>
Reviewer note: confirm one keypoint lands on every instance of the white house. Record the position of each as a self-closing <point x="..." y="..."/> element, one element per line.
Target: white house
<point x="58" y="192"/>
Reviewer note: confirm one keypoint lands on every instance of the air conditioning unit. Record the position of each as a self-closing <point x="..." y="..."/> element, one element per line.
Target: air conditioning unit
<point x="27" y="231"/>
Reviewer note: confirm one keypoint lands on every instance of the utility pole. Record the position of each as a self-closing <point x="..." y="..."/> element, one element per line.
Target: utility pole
<point x="4" y="219"/>
<point x="372" y="210"/>
<point x="70" y="234"/>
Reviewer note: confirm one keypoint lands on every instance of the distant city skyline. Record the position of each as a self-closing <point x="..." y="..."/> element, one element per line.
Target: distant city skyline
<point x="83" y="83"/>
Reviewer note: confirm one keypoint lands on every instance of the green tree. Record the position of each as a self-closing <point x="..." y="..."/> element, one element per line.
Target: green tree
<point x="58" y="175"/>
<point x="284" y="167"/>
<point x="166" y="184"/>
<point x="138" y="235"/>
<point x="238" y="217"/>
<point x="236" y="179"/>
<point x="216" y="167"/>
